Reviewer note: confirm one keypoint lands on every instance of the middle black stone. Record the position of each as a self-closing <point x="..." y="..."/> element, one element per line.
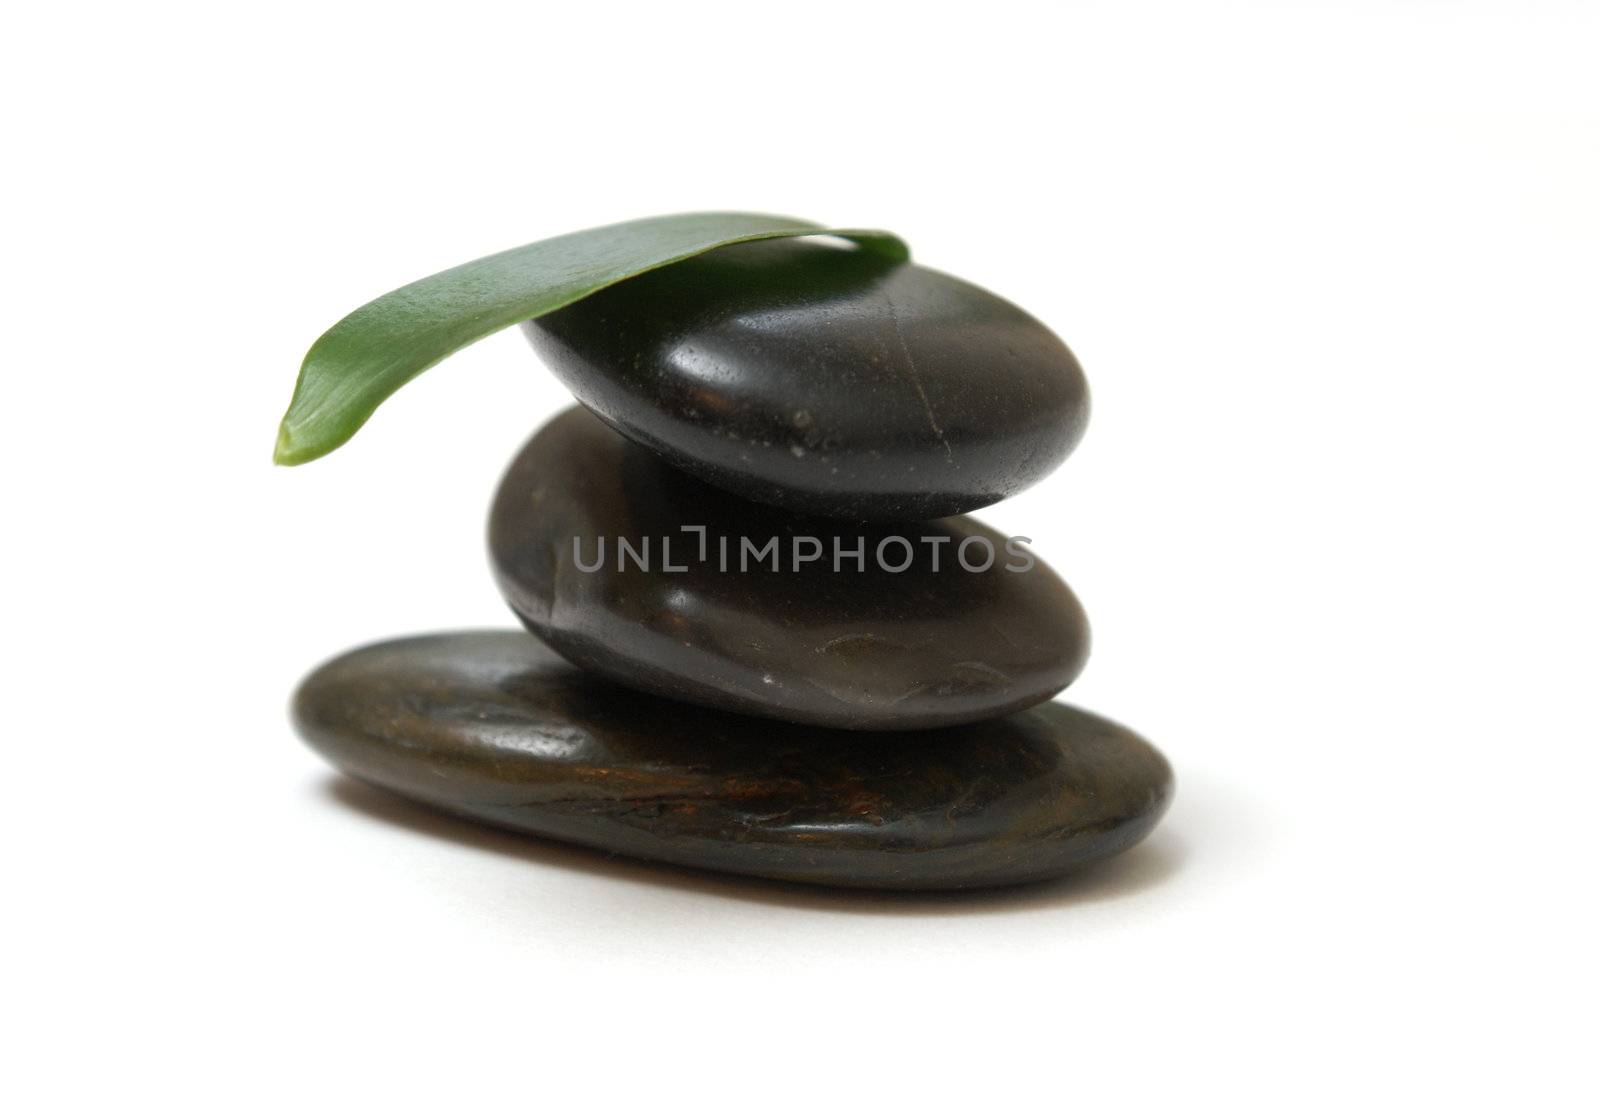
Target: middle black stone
<point x="768" y="612"/>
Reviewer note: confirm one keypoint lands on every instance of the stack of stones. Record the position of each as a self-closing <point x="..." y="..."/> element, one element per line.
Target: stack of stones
<point x="762" y="637"/>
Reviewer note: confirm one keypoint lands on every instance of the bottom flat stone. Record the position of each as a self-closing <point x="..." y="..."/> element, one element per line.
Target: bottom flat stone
<point x="495" y="727"/>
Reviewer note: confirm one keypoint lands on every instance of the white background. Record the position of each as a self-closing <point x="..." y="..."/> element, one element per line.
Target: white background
<point x="1333" y="272"/>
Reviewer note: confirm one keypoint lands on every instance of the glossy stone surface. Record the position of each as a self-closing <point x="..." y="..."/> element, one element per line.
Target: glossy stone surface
<point x="871" y="649"/>
<point x="495" y="727"/>
<point x="824" y="380"/>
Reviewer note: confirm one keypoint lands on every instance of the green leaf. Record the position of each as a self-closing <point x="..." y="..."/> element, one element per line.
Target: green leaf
<point x="362" y="360"/>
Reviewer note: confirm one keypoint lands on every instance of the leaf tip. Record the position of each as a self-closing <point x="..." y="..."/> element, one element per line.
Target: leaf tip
<point x="286" y="452"/>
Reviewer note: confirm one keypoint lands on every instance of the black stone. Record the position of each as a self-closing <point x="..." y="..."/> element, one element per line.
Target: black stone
<point x="871" y="649"/>
<point x="495" y="727"/>
<point x="825" y="380"/>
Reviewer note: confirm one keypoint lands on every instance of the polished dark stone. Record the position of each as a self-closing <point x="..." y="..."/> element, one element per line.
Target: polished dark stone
<point x="825" y="380"/>
<point x="871" y="649"/>
<point x="495" y="727"/>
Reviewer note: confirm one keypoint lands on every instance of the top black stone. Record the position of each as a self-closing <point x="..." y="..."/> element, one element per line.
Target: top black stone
<point x="821" y="379"/>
